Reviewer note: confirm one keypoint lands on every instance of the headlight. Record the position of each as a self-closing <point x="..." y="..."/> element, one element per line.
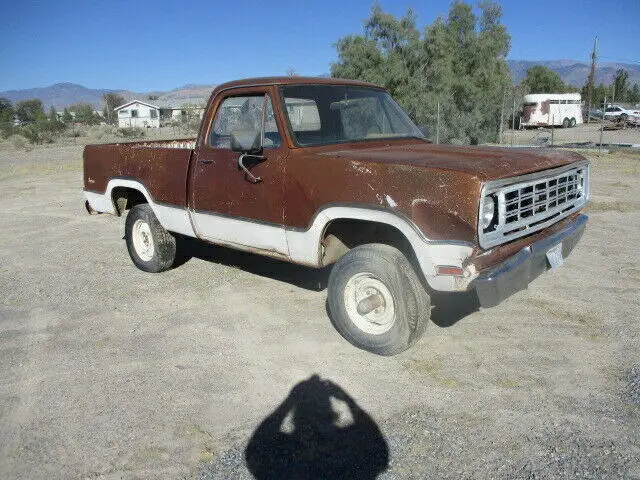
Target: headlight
<point x="488" y="211"/>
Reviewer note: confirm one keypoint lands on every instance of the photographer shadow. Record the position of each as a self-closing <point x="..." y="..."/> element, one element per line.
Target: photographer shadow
<point x="318" y="431"/>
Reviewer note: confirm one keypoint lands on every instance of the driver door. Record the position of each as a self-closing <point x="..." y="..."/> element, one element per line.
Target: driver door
<point x="227" y="206"/>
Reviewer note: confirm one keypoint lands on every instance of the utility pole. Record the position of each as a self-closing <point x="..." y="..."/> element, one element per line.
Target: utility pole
<point x="592" y="77"/>
<point x="513" y="117"/>
<point x="613" y="95"/>
<point x="438" y="125"/>
<point x="602" y="128"/>
<point x="504" y="95"/>
<point x="106" y="101"/>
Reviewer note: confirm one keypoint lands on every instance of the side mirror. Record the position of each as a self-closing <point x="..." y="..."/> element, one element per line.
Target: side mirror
<point x="246" y="141"/>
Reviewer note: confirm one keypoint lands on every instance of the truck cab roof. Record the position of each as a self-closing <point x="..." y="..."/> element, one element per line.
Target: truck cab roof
<point x="261" y="81"/>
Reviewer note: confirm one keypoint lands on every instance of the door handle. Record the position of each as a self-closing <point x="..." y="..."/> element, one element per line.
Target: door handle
<point x="204" y="160"/>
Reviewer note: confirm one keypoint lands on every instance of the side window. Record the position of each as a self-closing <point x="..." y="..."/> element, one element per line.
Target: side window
<point x="244" y="113"/>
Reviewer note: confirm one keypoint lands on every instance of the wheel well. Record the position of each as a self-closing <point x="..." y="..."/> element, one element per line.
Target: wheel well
<point x="124" y="198"/>
<point x="342" y="235"/>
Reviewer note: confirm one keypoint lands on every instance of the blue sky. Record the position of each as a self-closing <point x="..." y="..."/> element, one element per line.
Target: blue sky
<point x="159" y="45"/>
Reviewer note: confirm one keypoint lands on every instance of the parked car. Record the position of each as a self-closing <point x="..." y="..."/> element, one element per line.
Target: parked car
<point x="613" y="112"/>
<point x="322" y="171"/>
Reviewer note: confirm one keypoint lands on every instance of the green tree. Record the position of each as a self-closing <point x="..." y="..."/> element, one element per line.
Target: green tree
<point x="67" y="118"/>
<point x="541" y="79"/>
<point x="620" y="86"/>
<point x="6" y="116"/>
<point x="30" y="111"/>
<point x="458" y="63"/>
<point x="634" y="94"/>
<point x="53" y="115"/>
<point x="111" y="101"/>
<point x="84" y="114"/>
<point x="53" y="123"/>
<point x="598" y="95"/>
<point x="6" y="110"/>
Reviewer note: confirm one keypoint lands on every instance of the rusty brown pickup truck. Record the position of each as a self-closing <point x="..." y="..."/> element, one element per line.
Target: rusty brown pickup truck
<point x="322" y="171"/>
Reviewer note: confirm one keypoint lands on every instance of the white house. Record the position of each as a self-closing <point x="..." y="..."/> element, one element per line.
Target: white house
<point x="138" y="114"/>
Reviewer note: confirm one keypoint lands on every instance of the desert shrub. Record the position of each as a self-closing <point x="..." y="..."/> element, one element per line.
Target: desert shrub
<point x="6" y="129"/>
<point x="133" y="132"/>
<point x="102" y="134"/>
<point x="20" y="143"/>
<point x="31" y="132"/>
<point x="74" y="133"/>
<point x="95" y="133"/>
<point x="43" y="131"/>
<point x="192" y="126"/>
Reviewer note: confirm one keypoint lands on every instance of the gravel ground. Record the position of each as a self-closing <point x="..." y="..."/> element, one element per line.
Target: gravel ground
<point x="633" y="384"/>
<point x="578" y="134"/>
<point x="207" y="371"/>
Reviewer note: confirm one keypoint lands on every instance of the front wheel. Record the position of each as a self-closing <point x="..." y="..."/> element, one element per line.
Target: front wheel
<point x="573" y="122"/>
<point x="150" y="246"/>
<point x="376" y="301"/>
<point x="565" y="123"/>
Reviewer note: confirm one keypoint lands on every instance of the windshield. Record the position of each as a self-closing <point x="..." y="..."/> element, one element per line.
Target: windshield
<point x="324" y="114"/>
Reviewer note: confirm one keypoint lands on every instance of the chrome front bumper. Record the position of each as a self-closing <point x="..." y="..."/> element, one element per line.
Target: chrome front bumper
<point x="515" y="274"/>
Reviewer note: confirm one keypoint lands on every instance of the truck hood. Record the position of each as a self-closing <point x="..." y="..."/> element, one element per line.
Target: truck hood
<point x="483" y="163"/>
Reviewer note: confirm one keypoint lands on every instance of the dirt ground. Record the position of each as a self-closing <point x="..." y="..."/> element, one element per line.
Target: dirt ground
<point x="108" y="372"/>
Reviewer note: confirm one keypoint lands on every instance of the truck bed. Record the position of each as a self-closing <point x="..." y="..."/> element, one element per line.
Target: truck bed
<point x="161" y="166"/>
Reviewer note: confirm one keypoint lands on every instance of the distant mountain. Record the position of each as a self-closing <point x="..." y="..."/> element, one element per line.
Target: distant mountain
<point x="575" y="73"/>
<point x="59" y="95"/>
<point x="62" y="95"/>
<point x="198" y="94"/>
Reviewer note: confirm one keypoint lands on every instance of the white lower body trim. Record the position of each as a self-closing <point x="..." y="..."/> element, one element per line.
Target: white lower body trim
<point x="247" y="234"/>
<point x="99" y="202"/>
<point x="304" y="246"/>
<point x="174" y="219"/>
<point x="298" y="246"/>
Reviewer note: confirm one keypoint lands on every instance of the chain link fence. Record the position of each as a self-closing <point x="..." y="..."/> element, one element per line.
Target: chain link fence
<point x="594" y="132"/>
<point x="598" y="133"/>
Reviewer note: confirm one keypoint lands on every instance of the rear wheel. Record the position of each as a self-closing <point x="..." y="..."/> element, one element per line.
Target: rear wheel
<point x="376" y="301"/>
<point x="150" y="246"/>
<point x="565" y="123"/>
<point x="573" y="122"/>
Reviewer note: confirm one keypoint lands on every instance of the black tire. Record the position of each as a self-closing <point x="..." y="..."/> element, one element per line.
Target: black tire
<point x="572" y="122"/>
<point x="411" y="303"/>
<point x="163" y="255"/>
<point x="565" y="123"/>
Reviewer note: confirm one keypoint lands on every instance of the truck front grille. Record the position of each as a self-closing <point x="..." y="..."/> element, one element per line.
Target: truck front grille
<point x="530" y="203"/>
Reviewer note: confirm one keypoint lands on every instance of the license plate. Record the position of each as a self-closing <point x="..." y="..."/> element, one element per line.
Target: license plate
<point x="554" y="256"/>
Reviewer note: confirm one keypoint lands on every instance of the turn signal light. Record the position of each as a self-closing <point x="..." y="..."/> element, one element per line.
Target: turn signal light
<point x="449" y="270"/>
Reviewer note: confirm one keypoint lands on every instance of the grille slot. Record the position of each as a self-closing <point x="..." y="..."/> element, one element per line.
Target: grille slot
<point x="541" y="197"/>
<point x="535" y="203"/>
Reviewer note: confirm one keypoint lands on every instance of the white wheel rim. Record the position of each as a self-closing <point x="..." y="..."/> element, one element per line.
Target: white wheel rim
<point x="143" y="240"/>
<point x="360" y="287"/>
